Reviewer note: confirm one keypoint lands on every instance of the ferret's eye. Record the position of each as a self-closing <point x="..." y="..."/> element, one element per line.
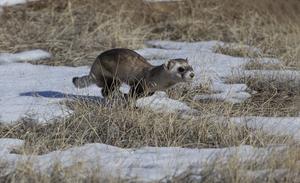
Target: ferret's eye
<point x="181" y="69"/>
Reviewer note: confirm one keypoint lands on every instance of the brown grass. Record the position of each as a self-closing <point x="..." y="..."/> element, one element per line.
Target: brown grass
<point x="76" y="31"/>
<point x="255" y="64"/>
<point x="128" y="127"/>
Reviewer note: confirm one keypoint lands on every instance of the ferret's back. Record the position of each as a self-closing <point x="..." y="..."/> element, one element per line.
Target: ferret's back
<point x="125" y="63"/>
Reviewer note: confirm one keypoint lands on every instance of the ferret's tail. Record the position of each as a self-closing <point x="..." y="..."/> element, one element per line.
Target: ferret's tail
<point x="84" y="81"/>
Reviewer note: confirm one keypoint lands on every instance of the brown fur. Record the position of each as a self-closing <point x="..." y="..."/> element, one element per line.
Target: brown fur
<point x="115" y="66"/>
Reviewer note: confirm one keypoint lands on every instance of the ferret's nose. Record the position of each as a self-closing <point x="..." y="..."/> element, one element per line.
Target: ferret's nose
<point x="192" y="75"/>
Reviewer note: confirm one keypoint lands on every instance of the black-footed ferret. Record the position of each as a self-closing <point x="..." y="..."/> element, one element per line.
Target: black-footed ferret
<point x="113" y="67"/>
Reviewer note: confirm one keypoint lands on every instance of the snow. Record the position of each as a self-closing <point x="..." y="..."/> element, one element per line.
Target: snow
<point x="13" y="2"/>
<point x="160" y="102"/>
<point x="24" y="56"/>
<point x="145" y="164"/>
<point x="35" y="90"/>
<point x="5" y="3"/>
<point x="286" y="126"/>
<point x="8" y="144"/>
<point x="236" y="93"/>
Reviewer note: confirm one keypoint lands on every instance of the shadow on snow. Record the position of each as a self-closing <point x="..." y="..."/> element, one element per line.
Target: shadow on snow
<point x="58" y="95"/>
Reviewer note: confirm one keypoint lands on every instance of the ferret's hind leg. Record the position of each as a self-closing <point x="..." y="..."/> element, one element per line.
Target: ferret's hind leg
<point x="109" y="86"/>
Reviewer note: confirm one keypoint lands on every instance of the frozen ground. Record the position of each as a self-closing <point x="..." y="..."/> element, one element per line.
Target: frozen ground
<point x="147" y="164"/>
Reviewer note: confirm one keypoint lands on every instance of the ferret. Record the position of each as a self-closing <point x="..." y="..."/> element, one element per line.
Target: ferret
<point x="116" y="66"/>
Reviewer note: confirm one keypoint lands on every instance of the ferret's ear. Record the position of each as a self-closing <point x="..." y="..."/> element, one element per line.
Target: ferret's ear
<point x="168" y="64"/>
<point x="187" y="60"/>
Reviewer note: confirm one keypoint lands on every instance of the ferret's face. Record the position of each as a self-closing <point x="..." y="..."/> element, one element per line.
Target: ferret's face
<point x="180" y="70"/>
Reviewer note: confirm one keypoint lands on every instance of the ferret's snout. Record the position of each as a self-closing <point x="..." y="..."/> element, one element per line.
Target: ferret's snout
<point x="192" y="75"/>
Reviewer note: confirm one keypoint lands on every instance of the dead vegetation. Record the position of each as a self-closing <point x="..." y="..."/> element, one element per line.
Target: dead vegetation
<point x="128" y="128"/>
<point x="76" y="31"/>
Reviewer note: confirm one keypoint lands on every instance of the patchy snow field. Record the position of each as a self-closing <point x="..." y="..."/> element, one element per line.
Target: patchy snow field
<point x="36" y="91"/>
<point x="146" y="164"/>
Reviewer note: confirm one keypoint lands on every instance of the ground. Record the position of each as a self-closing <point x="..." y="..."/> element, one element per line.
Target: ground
<point x="237" y="122"/>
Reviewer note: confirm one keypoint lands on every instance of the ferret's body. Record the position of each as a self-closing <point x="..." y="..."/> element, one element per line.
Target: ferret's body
<point x="116" y="66"/>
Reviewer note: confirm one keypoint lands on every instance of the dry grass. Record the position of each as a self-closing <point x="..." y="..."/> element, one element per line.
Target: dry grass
<point x="261" y="104"/>
<point x="255" y="64"/>
<point x="232" y="172"/>
<point x="76" y="31"/>
<point x="129" y="127"/>
<point x="24" y="173"/>
<point x="237" y="50"/>
<point x="267" y="101"/>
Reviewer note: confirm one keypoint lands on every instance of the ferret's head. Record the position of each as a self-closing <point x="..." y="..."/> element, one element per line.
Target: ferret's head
<point x="180" y="70"/>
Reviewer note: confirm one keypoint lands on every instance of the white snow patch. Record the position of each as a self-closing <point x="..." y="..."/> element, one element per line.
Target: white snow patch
<point x="13" y="2"/>
<point x="8" y="144"/>
<point x="160" y="102"/>
<point x="32" y="55"/>
<point x="233" y="93"/>
<point x="227" y="96"/>
<point x="36" y="90"/>
<point x="146" y="164"/>
<point x="289" y="126"/>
